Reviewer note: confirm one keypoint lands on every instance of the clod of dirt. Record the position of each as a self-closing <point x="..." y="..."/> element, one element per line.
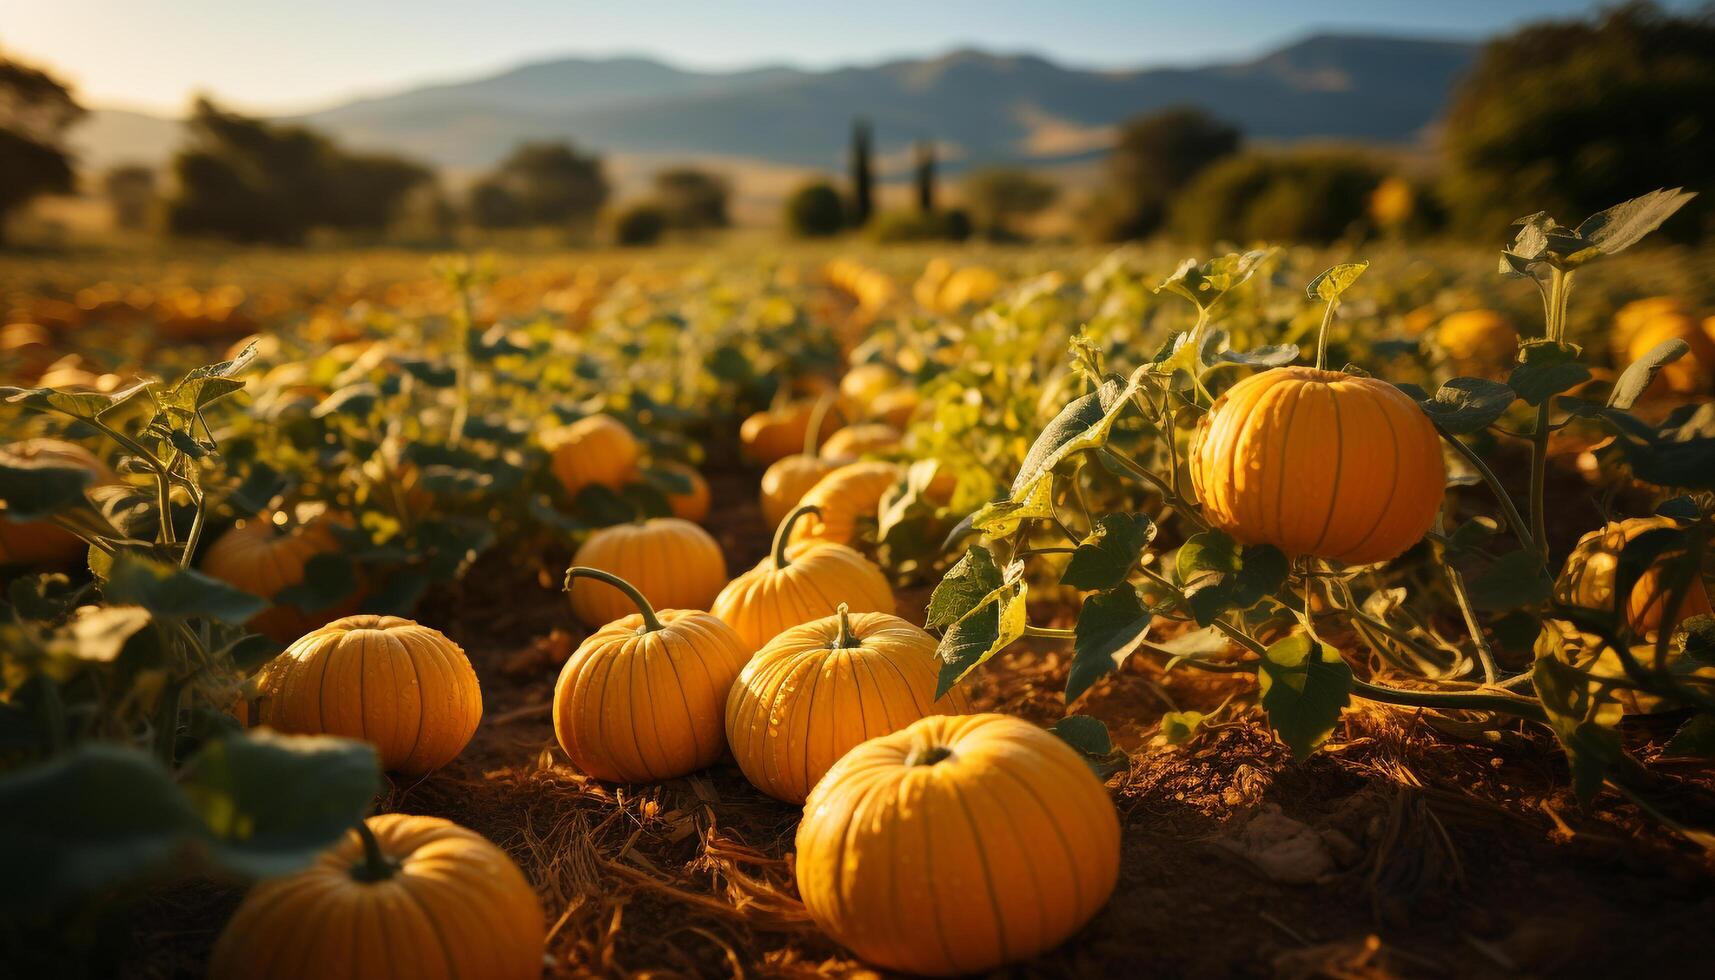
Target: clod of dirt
<point x="1283" y="849"/>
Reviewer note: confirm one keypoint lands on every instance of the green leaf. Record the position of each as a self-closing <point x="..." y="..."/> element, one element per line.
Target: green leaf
<point x="1205" y="284"/>
<point x="272" y="803"/>
<point x="329" y="579"/>
<point x="1111" y="626"/>
<point x="1471" y="535"/>
<point x="1177" y="727"/>
<point x="1638" y="375"/>
<point x="1001" y="518"/>
<point x="963" y="588"/>
<point x="171" y="592"/>
<point x="1546" y="369"/>
<point x="1624" y="225"/>
<point x="1304" y="684"/>
<point x="1090" y="739"/>
<point x="1111" y="551"/>
<point x="93" y="816"/>
<point x="1583" y="726"/>
<point x="1465" y="405"/>
<point x="34" y="488"/>
<point x="1220" y="576"/>
<point x="99" y="633"/>
<point x="1516" y="580"/>
<point x="980" y="634"/>
<point x="1695" y="739"/>
<point x="1328" y="286"/>
<point x="86" y="405"/>
<point x="602" y="506"/>
<point x="1082" y="424"/>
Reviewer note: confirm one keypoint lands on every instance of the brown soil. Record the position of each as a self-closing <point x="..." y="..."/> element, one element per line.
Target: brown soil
<point x="1397" y="850"/>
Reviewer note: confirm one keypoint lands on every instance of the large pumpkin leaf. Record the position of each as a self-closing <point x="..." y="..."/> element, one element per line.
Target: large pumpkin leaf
<point x="1624" y="225"/>
<point x="32" y="489"/>
<point x="171" y="592"/>
<point x="1111" y="626"/>
<point x="1546" y="369"/>
<point x="1001" y="518"/>
<point x="980" y="634"/>
<point x="272" y="802"/>
<point x="1082" y="424"/>
<point x="1089" y="738"/>
<point x="1465" y="405"/>
<point x="1304" y="684"/>
<point x="1220" y="576"/>
<point x="1104" y="558"/>
<point x="329" y="579"/>
<point x="963" y="588"/>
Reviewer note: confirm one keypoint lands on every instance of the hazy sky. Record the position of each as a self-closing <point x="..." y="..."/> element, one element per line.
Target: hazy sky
<point x="294" y="54"/>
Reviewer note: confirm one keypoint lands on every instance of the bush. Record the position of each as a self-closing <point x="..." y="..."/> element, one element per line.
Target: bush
<point x="540" y="184"/>
<point x="815" y="211"/>
<point x="915" y="226"/>
<point x="639" y="224"/>
<point x="999" y="195"/>
<point x="1154" y="157"/>
<point x="1574" y="116"/>
<point x="1315" y="196"/>
<point x="692" y="199"/>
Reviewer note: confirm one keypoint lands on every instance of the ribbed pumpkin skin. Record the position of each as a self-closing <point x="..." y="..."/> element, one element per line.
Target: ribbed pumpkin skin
<point x="857" y="440"/>
<point x="402" y="687"/>
<point x="997" y="853"/>
<point x="595" y="449"/>
<point x="845" y="495"/>
<point x="674" y="563"/>
<point x="1477" y="337"/>
<point x="800" y="704"/>
<point x="257" y="558"/>
<point x="692" y="505"/>
<point x="456" y="908"/>
<point x="777" y="433"/>
<point x="766" y="601"/>
<point x="635" y="707"/>
<point x="787" y="480"/>
<point x="1319" y="463"/>
<point x="1588" y="578"/>
<point x="40" y="543"/>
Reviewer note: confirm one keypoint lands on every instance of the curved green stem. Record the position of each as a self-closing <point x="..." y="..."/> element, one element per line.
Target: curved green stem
<point x="375" y="865"/>
<point x="1050" y="632"/>
<point x="1515" y="521"/>
<point x="650" y="622"/>
<point x="783" y="533"/>
<point x="1452" y="700"/>
<point x="813" y="432"/>
<point x="1322" y="336"/>
<point x="845" y="639"/>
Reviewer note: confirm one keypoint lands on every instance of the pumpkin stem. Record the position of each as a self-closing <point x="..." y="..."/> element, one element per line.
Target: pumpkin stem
<point x="783" y="533"/>
<point x="650" y="622"/>
<point x="813" y="434"/>
<point x="1322" y="335"/>
<point x="845" y="639"/>
<point x="928" y="755"/>
<point x="375" y="866"/>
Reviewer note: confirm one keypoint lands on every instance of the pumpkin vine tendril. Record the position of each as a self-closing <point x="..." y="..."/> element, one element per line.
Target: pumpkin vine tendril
<point x="651" y="622"/>
<point x="783" y="534"/>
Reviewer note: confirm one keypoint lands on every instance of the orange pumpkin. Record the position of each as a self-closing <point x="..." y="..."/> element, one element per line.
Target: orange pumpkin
<point x="267" y="555"/>
<point x="674" y="563"/>
<point x="641" y="698"/>
<point x="595" y="449"/>
<point x="957" y="845"/>
<point x="777" y="433"/>
<point x="42" y="543"/>
<point x="818" y="689"/>
<point x="405" y="897"/>
<point x="1319" y="463"/>
<point x="797" y="584"/>
<point x="787" y="480"/>
<point x="693" y="504"/>
<point x="1691" y="373"/>
<point x="1588" y="578"/>
<point x="842" y="498"/>
<point x="403" y="687"/>
<point x="895" y="407"/>
<point x="864" y="382"/>
<point x="859" y="440"/>
<point x="1477" y="339"/>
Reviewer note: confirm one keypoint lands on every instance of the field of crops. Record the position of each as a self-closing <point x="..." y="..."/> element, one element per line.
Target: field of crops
<point x="833" y="608"/>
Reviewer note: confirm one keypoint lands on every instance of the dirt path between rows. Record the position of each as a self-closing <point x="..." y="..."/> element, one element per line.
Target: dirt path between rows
<point x="1396" y="851"/>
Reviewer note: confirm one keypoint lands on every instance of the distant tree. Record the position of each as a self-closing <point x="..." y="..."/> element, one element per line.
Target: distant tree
<point x="915" y="226"/>
<point x="1312" y="196"/>
<point x="997" y="196"/>
<point x="692" y="199"/>
<point x="540" y="184"/>
<point x="131" y="191"/>
<point x="924" y="174"/>
<point x="1570" y="117"/>
<point x="815" y="211"/>
<point x="1153" y="158"/>
<point x="249" y="180"/>
<point x="642" y="223"/>
<point x="863" y="176"/>
<point x="35" y="111"/>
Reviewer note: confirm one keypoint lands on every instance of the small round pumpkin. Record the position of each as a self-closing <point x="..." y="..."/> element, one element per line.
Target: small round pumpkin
<point x="1477" y="338"/>
<point x="405" y="897"/>
<point x="673" y="562"/>
<point x="776" y="433"/>
<point x="693" y="504"/>
<point x="1319" y="463"/>
<point x="401" y="686"/>
<point x="864" y="382"/>
<point x="641" y="698"/>
<point x="818" y="689"/>
<point x="42" y="543"/>
<point x="957" y="845"/>
<point x="895" y="407"/>
<point x="268" y="554"/>
<point x="1588" y="578"/>
<point x="859" y="440"/>
<point x="594" y="449"/>
<point x="799" y="583"/>
<point x="786" y="481"/>
<point x="842" y="497"/>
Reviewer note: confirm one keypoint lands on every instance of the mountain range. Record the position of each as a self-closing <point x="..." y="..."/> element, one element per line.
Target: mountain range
<point x="978" y="107"/>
